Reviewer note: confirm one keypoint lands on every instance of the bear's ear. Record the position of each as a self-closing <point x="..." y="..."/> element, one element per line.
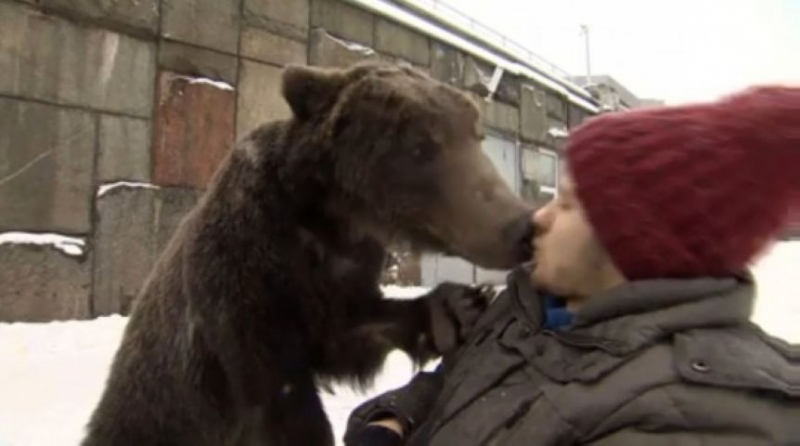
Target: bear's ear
<point x="309" y="91"/>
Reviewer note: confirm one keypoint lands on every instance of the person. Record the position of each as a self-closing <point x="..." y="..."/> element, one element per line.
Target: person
<point x="631" y="324"/>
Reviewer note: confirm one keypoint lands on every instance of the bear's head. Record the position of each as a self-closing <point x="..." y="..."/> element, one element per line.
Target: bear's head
<point x="404" y="155"/>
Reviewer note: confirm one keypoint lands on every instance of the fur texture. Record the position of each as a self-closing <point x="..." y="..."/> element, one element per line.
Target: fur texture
<point x="271" y="284"/>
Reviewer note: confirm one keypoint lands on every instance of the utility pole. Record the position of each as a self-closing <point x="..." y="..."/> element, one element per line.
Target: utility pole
<point x="585" y="32"/>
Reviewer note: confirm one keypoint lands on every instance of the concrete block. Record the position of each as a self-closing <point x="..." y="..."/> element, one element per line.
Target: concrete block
<point x="134" y="227"/>
<point x="534" y="124"/>
<point x="555" y="136"/>
<point x="509" y="90"/>
<point x="447" y="64"/>
<point x="476" y="76"/>
<point x="46" y="165"/>
<point x="193" y="130"/>
<point x="272" y="48"/>
<point x="397" y="40"/>
<point x="137" y="16"/>
<point x="284" y="17"/>
<point x="171" y="206"/>
<point x="42" y="284"/>
<point x="499" y="116"/>
<point x="181" y="58"/>
<point x="207" y="23"/>
<point x="47" y="58"/>
<point x="344" y="21"/>
<point x="124" y="247"/>
<point x="123" y="149"/>
<point x="328" y="51"/>
<point x="557" y="106"/>
<point x="260" y="98"/>
<point x="576" y="116"/>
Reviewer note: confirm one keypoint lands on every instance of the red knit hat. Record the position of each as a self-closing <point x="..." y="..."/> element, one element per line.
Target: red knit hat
<point x="690" y="191"/>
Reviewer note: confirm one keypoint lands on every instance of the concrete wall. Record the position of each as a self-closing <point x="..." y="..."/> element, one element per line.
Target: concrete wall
<point x="95" y="92"/>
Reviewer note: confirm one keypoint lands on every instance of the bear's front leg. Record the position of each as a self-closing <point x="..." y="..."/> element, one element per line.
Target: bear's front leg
<point x="426" y="327"/>
<point x="437" y="322"/>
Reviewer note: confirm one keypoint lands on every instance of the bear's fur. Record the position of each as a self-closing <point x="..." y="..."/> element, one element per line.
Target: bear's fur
<point x="271" y="284"/>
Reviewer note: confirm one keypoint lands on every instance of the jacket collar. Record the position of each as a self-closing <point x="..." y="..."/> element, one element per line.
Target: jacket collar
<point x="636" y="314"/>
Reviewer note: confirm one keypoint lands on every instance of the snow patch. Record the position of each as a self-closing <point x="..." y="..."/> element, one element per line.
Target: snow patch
<point x="204" y="80"/>
<point x="58" y="370"/>
<point x="401" y="292"/>
<point x="777" y="307"/>
<point x="105" y="188"/>
<point x="353" y="46"/>
<point x="558" y="132"/>
<point x="71" y="246"/>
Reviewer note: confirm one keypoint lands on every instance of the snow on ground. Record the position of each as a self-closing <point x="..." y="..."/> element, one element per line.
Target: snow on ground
<point x="778" y="308"/>
<point x="51" y="375"/>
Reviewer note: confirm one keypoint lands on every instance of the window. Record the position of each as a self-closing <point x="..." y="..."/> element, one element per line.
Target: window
<point x="539" y="174"/>
<point x="502" y="153"/>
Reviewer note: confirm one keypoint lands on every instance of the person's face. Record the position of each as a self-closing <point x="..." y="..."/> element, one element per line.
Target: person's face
<point x="568" y="258"/>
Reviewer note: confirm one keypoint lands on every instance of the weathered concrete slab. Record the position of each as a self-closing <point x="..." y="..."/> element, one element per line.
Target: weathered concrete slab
<point x="207" y="23"/>
<point x="51" y="59"/>
<point x="124" y="149"/>
<point x="343" y="21"/>
<point x="193" y="130"/>
<point x="509" y="90"/>
<point x="576" y="116"/>
<point x="533" y="114"/>
<point x="285" y="17"/>
<point x="134" y="227"/>
<point x="397" y="40"/>
<point x="272" y="48"/>
<point x="477" y="76"/>
<point x="260" y="98"/>
<point x="41" y="284"/>
<point x="447" y="64"/>
<point x="499" y="116"/>
<point x="185" y="59"/>
<point x="128" y="15"/>
<point x="557" y="106"/>
<point x="328" y="51"/>
<point x="46" y="165"/>
<point x="124" y="247"/>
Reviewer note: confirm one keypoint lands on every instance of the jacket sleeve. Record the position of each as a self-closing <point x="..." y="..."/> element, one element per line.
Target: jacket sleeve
<point x="375" y="436"/>
<point x="632" y="436"/>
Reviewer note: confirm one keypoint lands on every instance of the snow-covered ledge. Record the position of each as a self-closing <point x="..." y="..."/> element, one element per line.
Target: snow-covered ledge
<point x="558" y="132"/>
<point x="71" y="246"/>
<point x="106" y="188"/>
<point x="204" y="80"/>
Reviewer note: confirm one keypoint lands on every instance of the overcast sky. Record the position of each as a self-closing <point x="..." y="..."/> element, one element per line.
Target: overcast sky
<point x="677" y="50"/>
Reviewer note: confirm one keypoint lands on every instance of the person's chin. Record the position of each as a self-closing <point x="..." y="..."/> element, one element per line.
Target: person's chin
<point x="538" y="277"/>
<point x="542" y="282"/>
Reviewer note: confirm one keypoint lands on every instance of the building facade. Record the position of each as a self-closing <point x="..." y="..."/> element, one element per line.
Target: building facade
<point x="114" y="115"/>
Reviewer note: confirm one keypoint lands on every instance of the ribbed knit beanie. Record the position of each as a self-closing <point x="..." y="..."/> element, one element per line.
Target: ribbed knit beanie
<point x="691" y="191"/>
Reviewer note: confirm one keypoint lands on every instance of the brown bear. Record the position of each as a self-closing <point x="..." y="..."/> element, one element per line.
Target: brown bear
<point x="271" y="284"/>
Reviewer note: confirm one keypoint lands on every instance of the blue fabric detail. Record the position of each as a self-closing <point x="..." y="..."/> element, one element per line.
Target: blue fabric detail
<point x="556" y="314"/>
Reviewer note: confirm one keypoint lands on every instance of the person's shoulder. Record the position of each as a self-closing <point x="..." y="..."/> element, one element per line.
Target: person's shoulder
<point x="743" y="357"/>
